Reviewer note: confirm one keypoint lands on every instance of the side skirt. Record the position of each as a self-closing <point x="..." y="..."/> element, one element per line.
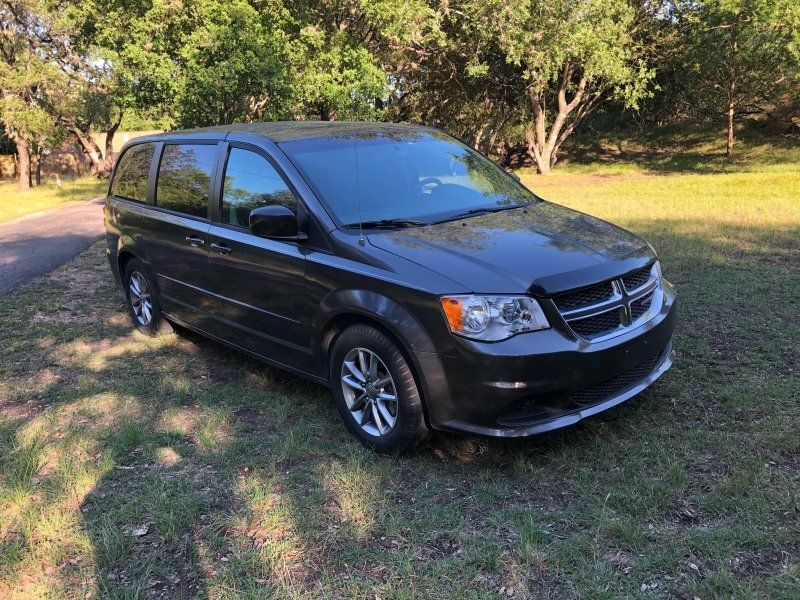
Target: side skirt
<point x="256" y="355"/>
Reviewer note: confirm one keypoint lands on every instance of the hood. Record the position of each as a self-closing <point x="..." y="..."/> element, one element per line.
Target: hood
<point x="540" y="249"/>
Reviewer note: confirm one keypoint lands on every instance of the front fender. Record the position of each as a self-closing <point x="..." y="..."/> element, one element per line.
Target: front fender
<point x="394" y="317"/>
<point x="389" y="313"/>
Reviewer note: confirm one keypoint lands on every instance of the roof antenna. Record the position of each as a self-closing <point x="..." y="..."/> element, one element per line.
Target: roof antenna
<point x="361" y="241"/>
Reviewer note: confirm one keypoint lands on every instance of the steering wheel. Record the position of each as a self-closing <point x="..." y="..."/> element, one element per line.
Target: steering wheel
<point x="428" y="181"/>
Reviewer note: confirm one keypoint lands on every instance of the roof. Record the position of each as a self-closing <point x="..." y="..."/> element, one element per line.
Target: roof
<point x="282" y="131"/>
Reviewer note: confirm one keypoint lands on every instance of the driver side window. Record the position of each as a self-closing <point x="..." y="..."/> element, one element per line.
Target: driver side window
<point x="250" y="182"/>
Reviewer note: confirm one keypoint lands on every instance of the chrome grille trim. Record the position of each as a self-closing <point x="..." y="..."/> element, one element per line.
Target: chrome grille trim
<point x="637" y="278"/>
<point x="635" y="306"/>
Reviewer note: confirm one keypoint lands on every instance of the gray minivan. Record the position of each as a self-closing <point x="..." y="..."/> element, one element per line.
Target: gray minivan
<point x="422" y="283"/>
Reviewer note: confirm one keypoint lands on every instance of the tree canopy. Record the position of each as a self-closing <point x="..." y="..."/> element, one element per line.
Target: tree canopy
<point x="494" y="72"/>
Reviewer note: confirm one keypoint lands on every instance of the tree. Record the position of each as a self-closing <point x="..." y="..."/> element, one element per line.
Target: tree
<point x="234" y="66"/>
<point x="124" y="69"/>
<point x="573" y="55"/>
<point x="543" y="65"/>
<point x="451" y="76"/>
<point x="343" y="52"/>
<point x="28" y="75"/>
<point x="741" y="54"/>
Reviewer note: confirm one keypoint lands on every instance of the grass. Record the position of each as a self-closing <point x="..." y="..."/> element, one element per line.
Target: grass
<point x="15" y="204"/>
<point x="136" y="467"/>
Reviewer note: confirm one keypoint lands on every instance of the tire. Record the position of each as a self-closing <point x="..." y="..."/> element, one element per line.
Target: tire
<point x="144" y="308"/>
<point x="360" y="343"/>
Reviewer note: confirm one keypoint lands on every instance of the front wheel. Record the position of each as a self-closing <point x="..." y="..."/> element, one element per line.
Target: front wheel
<point x="375" y="391"/>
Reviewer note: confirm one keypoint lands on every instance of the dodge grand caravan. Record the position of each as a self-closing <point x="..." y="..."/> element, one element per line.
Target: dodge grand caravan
<point x="426" y="286"/>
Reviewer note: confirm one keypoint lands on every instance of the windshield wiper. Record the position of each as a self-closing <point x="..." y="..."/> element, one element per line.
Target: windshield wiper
<point x="387" y="223"/>
<point x="480" y="211"/>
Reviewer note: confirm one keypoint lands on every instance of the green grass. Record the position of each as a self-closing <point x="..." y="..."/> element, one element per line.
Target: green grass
<point x="246" y="484"/>
<point x="15" y="204"/>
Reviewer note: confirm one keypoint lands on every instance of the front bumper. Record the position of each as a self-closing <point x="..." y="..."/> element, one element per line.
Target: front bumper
<point x="546" y="380"/>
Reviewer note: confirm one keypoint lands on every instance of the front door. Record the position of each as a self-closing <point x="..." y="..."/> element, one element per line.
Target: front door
<point x="176" y="230"/>
<point x="258" y="284"/>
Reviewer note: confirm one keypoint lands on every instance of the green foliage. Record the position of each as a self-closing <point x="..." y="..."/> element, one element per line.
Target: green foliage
<point x="28" y="73"/>
<point x="488" y="70"/>
<point x="334" y="77"/>
<point x="594" y="35"/>
<point x="214" y="61"/>
<point x="234" y="66"/>
<point x="745" y="44"/>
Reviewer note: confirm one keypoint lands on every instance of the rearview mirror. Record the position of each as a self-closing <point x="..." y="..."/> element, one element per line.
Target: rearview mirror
<point x="276" y="222"/>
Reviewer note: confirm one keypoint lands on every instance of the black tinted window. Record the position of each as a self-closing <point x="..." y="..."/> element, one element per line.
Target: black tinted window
<point x="130" y="178"/>
<point x="420" y="175"/>
<point x="184" y="176"/>
<point x="250" y="182"/>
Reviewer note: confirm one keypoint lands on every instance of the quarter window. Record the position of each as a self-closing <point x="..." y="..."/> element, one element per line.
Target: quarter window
<point x="184" y="178"/>
<point x="250" y="182"/>
<point x="133" y="168"/>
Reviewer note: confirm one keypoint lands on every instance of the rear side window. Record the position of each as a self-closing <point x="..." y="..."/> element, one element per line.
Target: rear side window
<point x="250" y="182"/>
<point x="130" y="178"/>
<point x="184" y="178"/>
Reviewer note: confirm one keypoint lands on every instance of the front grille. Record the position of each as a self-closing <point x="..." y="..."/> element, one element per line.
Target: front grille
<point x="640" y="306"/>
<point x="609" y="307"/>
<point x="636" y="279"/>
<point x="584" y="297"/>
<point x="596" y="325"/>
<point x="613" y="387"/>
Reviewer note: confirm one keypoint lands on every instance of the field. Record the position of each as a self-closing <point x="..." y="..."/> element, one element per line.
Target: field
<point x="134" y="467"/>
<point x="15" y="204"/>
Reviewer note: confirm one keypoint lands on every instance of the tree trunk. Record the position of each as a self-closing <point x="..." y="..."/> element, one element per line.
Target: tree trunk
<point x="39" y="170"/>
<point x="23" y="165"/>
<point x="90" y="149"/>
<point x="107" y="164"/>
<point x="539" y="153"/>
<point x="729" y="146"/>
<point x="543" y="145"/>
<point x="479" y="137"/>
<point x="326" y="113"/>
<point x="732" y="72"/>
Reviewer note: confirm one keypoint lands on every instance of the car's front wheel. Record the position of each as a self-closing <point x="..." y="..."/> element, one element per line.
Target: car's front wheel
<point x="375" y="391"/>
<point x="142" y="301"/>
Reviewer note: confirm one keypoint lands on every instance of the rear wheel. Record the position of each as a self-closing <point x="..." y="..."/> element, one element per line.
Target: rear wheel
<point x="375" y="391"/>
<point x="143" y="304"/>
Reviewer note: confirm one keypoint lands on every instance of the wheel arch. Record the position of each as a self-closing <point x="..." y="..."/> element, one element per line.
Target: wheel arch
<point x="345" y="308"/>
<point x="124" y="256"/>
<point x="129" y="249"/>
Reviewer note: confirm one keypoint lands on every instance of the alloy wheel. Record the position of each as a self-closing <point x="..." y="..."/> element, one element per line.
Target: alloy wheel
<point x="141" y="301"/>
<point x="369" y="391"/>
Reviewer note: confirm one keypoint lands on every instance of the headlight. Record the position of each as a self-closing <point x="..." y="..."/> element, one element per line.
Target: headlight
<point x="492" y="318"/>
<point x="656" y="271"/>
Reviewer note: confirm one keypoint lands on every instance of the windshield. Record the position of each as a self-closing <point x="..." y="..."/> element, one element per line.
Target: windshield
<point x="410" y="177"/>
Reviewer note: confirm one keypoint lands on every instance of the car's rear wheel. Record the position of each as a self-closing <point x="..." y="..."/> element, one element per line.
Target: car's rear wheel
<point x="375" y="391"/>
<point x="142" y="301"/>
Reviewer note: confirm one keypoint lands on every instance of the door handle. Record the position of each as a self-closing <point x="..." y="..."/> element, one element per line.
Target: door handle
<point x="195" y="242"/>
<point x="220" y="248"/>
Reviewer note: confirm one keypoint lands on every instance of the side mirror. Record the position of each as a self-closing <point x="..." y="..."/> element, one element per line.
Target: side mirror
<point x="275" y="222"/>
